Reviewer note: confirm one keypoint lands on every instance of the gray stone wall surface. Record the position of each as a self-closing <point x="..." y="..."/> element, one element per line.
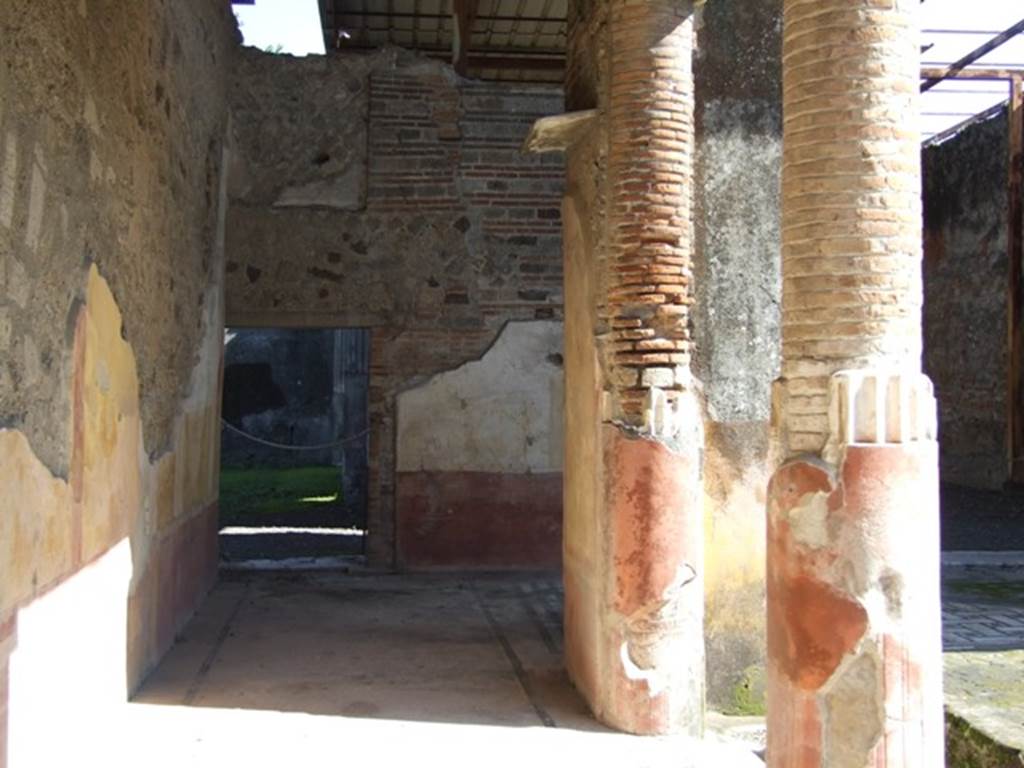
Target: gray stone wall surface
<point x="737" y="274"/>
<point x="965" y="286"/>
<point x="112" y="119"/>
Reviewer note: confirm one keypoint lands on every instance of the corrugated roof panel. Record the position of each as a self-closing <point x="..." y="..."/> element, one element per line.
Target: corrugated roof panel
<point x="506" y="28"/>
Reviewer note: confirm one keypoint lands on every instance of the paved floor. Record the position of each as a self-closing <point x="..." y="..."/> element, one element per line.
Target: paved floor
<point x="291" y="668"/>
<point x="285" y="667"/>
<point x="983" y="639"/>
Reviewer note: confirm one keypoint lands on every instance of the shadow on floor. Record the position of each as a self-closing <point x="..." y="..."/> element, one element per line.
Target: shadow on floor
<point x="480" y="649"/>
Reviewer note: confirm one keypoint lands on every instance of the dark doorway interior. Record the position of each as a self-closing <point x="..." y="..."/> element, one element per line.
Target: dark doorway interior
<point x="294" y="445"/>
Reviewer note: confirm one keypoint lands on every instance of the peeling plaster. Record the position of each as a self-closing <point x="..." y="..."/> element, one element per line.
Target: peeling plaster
<point x="501" y="413"/>
<point x="808" y="520"/>
<point x="644" y="631"/>
<point x="852" y="710"/>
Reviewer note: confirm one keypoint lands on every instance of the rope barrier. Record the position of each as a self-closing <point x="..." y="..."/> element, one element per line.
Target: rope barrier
<point x="272" y="444"/>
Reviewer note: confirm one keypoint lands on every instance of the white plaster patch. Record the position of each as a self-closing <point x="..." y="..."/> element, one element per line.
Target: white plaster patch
<point x="346" y="192"/>
<point x="645" y="655"/>
<point x="9" y="179"/>
<point x="808" y="520"/>
<point x="502" y="413"/>
<point x="17" y="282"/>
<point x="673" y="420"/>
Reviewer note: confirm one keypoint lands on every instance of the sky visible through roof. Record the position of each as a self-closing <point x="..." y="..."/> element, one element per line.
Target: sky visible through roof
<point x="294" y="25"/>
<point x="950" y="29"/>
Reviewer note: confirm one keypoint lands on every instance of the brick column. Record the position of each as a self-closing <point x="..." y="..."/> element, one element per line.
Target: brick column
<point x="854" y="636"/>
<point x="651" y="638"/>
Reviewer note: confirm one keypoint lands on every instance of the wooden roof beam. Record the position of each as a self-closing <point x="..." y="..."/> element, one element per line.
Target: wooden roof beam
<point x="973" y="56"/>
<point x="463" y="15"/>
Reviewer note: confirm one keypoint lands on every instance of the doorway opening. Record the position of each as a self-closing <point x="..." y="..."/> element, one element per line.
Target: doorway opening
<point x="294" y="446"/>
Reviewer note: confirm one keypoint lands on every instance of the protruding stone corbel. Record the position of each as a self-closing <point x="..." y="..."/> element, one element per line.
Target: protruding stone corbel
<point x="558" y="132"/>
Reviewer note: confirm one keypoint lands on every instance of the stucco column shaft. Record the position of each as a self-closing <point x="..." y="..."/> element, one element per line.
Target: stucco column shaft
<point x="854" y="636"/>
<point x="652" y="635"/>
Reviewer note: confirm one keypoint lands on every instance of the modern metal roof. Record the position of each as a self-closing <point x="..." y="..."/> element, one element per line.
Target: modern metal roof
<point x="951" y="29"/>
<point x="508" y="39"/>
<point x="525" y="40"/>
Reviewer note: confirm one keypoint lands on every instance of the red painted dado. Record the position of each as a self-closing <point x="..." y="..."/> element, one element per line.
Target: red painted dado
<point x="183" y="568"/>
<point x="811" y="625"/>
<point x="479" y="520"/>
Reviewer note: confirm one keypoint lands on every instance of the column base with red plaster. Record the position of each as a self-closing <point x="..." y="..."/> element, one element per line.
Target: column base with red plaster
<point x="854" y="633"/>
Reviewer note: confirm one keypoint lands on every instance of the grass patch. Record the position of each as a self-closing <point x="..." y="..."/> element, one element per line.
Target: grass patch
<point x="967" y="747"/>
<point x="259" y="496"/>
<point x="748" y="695"/>
<point x="998" y="591"/>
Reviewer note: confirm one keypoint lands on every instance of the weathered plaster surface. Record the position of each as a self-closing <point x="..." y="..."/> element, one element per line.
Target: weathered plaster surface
<point x="112" y="118"/>
<point x="738" y="87"/>
<point x="131" y="534"/>
<point x="633" y="565"/>
<point x="501" y="413"/>
<point x="965" y="284"/>
<point x="479" y="457"/>
<point x="110" y="153"/>
<point x="854" y="656"/>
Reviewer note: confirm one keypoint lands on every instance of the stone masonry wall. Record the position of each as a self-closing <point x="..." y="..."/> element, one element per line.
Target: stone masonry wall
<point x="382" y="191"/>
<point x="965" y="285"/>
<point x="111" y="232"/>
<point x="108" y="150"/>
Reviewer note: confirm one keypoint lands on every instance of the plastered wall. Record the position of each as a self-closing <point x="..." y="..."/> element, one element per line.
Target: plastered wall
<point x="738" y="84"/>
<point x="111" y="318"/>
<point x="479" y="457"/>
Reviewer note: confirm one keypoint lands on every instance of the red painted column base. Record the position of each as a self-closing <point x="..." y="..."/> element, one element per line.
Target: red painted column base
<point x="854" y="622"/>
<point x="652" y="646"/>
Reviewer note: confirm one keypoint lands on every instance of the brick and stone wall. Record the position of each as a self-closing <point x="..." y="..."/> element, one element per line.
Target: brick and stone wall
<point x="382" y="191"/>
<point x="965" y="285"/>
<point x="111" y="231"/>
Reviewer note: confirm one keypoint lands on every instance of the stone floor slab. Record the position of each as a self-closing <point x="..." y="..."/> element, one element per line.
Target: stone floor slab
<point x="286" y="668"/>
